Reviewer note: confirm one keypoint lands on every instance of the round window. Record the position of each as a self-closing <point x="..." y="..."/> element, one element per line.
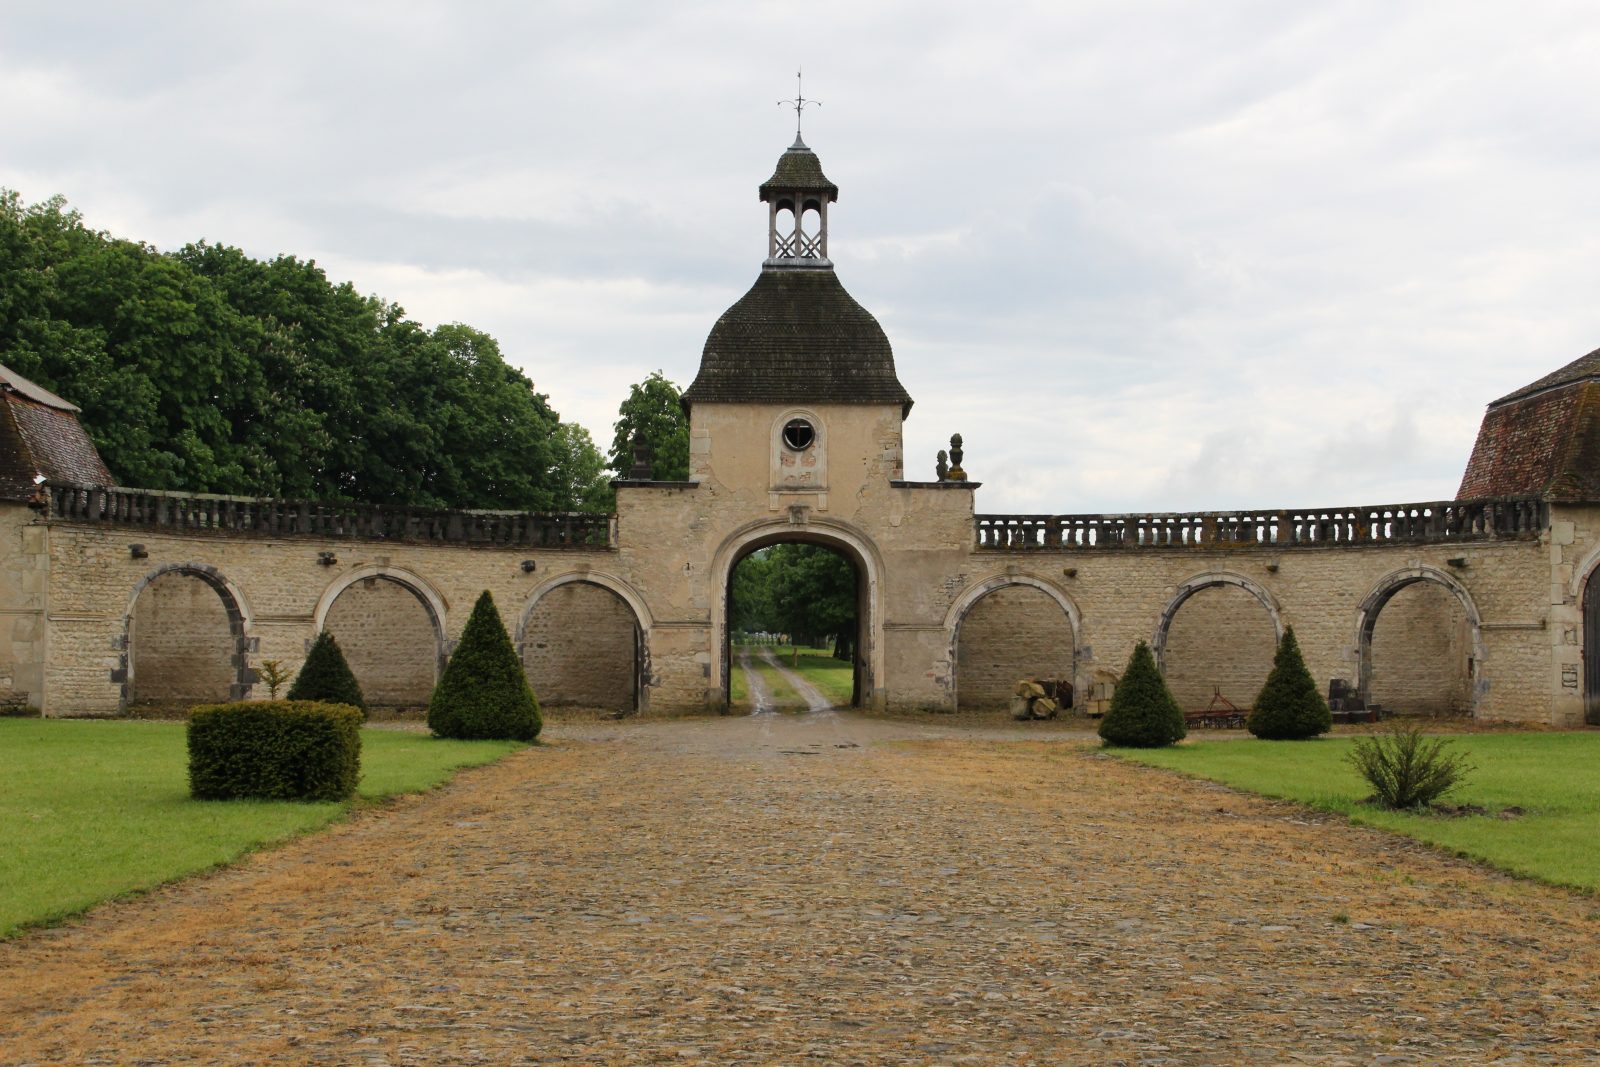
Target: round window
<point x="798" y="434"/>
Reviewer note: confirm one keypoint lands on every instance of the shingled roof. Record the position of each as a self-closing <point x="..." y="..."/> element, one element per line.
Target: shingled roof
<point x="1543" y="439"/>
<point x="799" y="171"/>
<point x="1582" y="369"/>
<point x="40" y="435"/>
<point x="797" y="337"/>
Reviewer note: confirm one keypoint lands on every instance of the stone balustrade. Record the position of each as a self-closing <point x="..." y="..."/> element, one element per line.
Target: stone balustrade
<point x="1439" y="521"/>
<point x="175" y="511"/>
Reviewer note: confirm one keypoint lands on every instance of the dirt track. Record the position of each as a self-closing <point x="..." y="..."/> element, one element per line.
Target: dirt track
<point x="782" y="889"/>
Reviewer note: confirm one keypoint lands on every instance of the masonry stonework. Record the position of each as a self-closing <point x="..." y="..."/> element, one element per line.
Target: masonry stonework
<point x="579" y="648"/>
<point x="387" y="636"/>
<point x="1422" y="653"/>
<point x="1221" y="640"/>
<point x="180" y="647"/>
<point x="1013" y="633"/>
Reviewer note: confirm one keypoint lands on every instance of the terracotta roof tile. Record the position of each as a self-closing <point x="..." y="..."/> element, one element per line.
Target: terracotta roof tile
<point x="1546" y="443"/>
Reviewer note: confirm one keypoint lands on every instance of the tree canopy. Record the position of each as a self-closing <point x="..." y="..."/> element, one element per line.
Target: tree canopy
<point x="209" y="371"/>
<point x="806" y="591"/>
<point x="652" y="408"/>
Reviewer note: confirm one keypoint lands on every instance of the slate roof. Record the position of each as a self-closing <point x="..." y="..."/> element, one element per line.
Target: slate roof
<point x="799" y="170"/>
<point x="797" y="337"/>
<point x="1542" y="440"/>
<point x="40" y="434"/>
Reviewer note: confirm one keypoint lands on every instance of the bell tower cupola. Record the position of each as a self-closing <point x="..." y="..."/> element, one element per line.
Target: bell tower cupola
<point x="797" y="198"/>
<point x="797" y="339"/>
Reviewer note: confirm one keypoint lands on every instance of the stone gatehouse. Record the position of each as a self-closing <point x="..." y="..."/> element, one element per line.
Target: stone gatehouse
<point x="1479" y="606"/>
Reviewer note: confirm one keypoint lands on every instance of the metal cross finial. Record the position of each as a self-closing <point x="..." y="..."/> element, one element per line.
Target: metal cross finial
<point x="799" y="102"/>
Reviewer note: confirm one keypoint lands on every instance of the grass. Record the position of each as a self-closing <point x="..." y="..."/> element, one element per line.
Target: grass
<point x="1551" y="776"/>
<point x="834" y="678"/>
<point x="97" y="810"/>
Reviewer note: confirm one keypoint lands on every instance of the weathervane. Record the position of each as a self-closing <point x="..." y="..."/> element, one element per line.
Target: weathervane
<point x="799" y="103"/>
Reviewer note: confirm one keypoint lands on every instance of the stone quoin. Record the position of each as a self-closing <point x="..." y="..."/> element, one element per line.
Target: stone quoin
<point x="1479" y="606"/>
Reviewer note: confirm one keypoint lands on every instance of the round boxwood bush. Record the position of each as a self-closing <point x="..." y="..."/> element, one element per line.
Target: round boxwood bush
<point x="484" y="693"/>
<point x="325" y="676"/>
<point x="1289" y="707"/>
<point x="1143" y="713"/>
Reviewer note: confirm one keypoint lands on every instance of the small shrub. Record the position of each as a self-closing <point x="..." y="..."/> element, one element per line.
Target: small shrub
<point x="274" y="750"/>
<point x="1143" y="713"/>
<point x="274" y="674"/>
<point x="1289" y="707"/>
<point x="326" y="676"/>
<point x="483" y="693"/>
<point x="1406" y="769"/>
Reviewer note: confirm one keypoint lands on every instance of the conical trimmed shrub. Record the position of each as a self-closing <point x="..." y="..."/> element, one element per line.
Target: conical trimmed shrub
<point x="1143" y="713"/>
<point x="1289" y="707"/>
<point x="483" y="693"/>
<point x="326" y="676"/>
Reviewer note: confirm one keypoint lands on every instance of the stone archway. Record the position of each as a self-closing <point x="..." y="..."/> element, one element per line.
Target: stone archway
<point x="851" y="543"/>
<point x="1446" y="656"/>
<point x="390" y="625"/>
<point x="583" y="639"/>
<point x="1222" y="644"/>
<point x="1007" y="628"/>
<point x="185" y="639"/>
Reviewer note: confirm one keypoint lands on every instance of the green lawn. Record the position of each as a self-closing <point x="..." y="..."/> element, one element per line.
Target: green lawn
<point x="1553" y="777"/>
<point x="95" y="810"/>
<point x="835" y="677"/>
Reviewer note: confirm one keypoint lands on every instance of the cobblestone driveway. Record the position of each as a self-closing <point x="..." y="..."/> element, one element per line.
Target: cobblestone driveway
<point x="784" y="889"/>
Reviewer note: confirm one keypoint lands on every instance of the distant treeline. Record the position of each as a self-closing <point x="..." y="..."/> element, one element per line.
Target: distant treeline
<point x="209" y="371"/>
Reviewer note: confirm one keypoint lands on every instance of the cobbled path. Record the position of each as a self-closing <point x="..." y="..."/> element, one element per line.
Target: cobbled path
<point x="820" y="889"/>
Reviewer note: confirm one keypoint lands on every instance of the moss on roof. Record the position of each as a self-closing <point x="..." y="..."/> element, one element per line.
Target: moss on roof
<point x="797" y="337"/>
<point x="799" y="170"/>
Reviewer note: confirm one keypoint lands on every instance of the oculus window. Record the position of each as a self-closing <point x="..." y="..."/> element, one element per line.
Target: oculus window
<point x="799" y="434"/>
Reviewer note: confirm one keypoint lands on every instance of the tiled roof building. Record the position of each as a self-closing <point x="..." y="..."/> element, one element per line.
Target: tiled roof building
<point x="42" y="440"/>
<point x="1542" y="439"/>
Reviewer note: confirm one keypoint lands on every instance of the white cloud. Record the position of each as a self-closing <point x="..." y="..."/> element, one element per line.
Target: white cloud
<point x="1153" y="257"/>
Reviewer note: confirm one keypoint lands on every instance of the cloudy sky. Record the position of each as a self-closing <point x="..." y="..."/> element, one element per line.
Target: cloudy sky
<point x="1143" y="256"/>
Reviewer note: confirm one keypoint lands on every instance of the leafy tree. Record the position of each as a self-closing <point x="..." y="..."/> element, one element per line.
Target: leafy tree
<point x="326" y="676"/>
<point x="652" y="408"/>
<point x="1143" y="713"/>
<point x="582" y="479"/>
<point x="803" y="590"/>
<point x="209" y="371"/>
<point x="484" y="693"/>
<point x="750" y="594"/>
<point x="1289" y="707"/>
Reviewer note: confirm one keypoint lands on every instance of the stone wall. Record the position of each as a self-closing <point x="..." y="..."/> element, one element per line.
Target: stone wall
<point x="1421" y="652"/>
<point x="180" y="647"/>
<point x="1014" y="632"/>
<point x="1221" y="640"/>
<point x="69" y="586"/>
<point x="24" y="592"/>
<point x="578" y="647"/>
<point x="388" y="638"/>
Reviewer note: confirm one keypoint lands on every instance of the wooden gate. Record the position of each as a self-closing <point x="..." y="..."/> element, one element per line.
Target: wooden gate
<point x="1591" y="653"/>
